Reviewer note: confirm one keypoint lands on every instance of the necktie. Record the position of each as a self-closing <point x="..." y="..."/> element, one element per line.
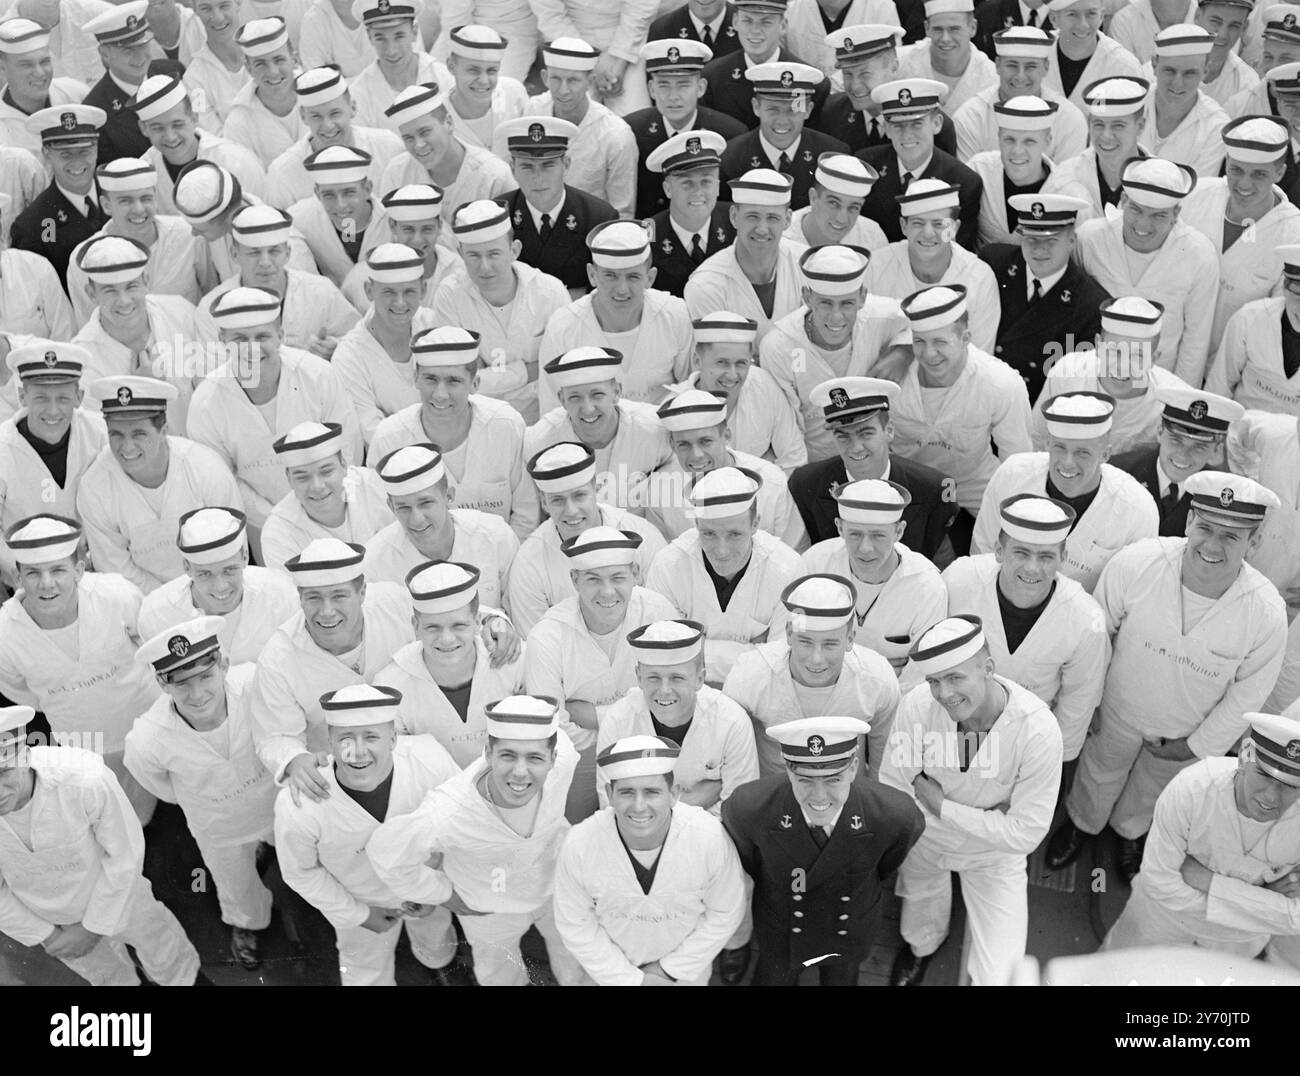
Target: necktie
<point x="90" y="206"/>
<point x="783" y="162"/>
<point x="905" y="181"/>
<point x="1037" y="292"/>
<point x="707" y="36"/>
<point x="1033" y="18"/>
<point x="697" y="252"/>
<point x="544" y="233"/>
<point x="818" y="835"/>
<point x="1170" y="500"/>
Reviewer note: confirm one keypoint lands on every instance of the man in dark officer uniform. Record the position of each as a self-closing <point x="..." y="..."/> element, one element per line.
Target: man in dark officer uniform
<point x="673" y="68"/>
<point x="551" y="220"/>
<point x="819" y="845"/>
<point x="124" y="46"/>
<point x="1050" y="305"/>
<point x="68" y="210"/>
<point x="856" y="410"/>
<point x="695" y="224"/>
<point x="707" y="21"/>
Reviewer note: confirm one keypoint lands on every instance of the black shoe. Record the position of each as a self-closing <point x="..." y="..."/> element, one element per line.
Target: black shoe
<point x="243" y="947"/>
<point x="732" y="965"/>
<point x="453" y="974"/>
<point x="1128" y="858"/>
<point x="908" y="969"/>
<point x="1065" y="845"/>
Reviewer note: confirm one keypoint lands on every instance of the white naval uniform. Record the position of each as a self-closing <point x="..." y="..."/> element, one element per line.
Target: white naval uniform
<point x="655" y="354"/>
<point x="31" y="298"/>
<point x="777" y="514"/>
<point x="1163" y="681"/>
<point x="287" y="181"/>
<point x="1195" y="142"/>
<point x="228" y="422"/>
<point x="81" y="860"/>
<point x="1236" y="78"/>
<point x="376" y="384"/>
<point x="289" y="530"/>
<point x="1249" y="366"/>
<point x="323" y="39"/>
<point x="762" y="683"/>
<point x="805" y="31"/>
<point x="603" y="154"/>
<point x="13" y="121"/>
<point x="234" y="158"/>
<point x="447" y="263"/>
<point x="482" y="539"/>
<point x="293" y="673"/>
<point x="213" y="87"/>
<point x="760" y="419"/>
<point x="482" y="175"/>
<point x="26" y="485"/>
<point x="425" y="710"/>
<point x="512" y="19"/>
<point x="864" y="232"/>
<point x="977" y="126"/>
<point x="914" y="62"/>
<point x="614" y="927"/>
<point x="1122" y="513"/>
<point x="1063" y="658"/>
<point x="624" y="466"/>
<point x="255" y="127"/>
<point x="371" y="93"/>
<point x="132" y="530"/>
<point x="1077" y="177"/>
<point x="1109" y="59"/>
<point x="269" y="599"/>
<point x="1287" y="689"/>
<point x="225" y="792"/>
<point x="1196" y="815"/>
<point x="509" y="101"/>
<point x="988" y="399"/>
<point x="678" y="573"/>
<point x="324" y="241"/>
<point x="719" y="283"/>
<point x="1183" y="276"/>
<point x="993" y="815"/>
<point x="890" y="275"/>
<point x="23" y="178"/>
<point x="486" y="470"/>
<point x="993" y="226"/>
<point x="312" y="306"/>
<point x="488" y="864"/>
<point x="1135" y="26"/>
<point x="798" y="365"/>
<point x="1134" y="421"/>
<point x="719" y="745"/>
<point x="321" y="849"/>
<point x="217" y="260"/>
<point x="1265" y="446"/>
<point x="539" y="575"/>
<point x="617" y="27"/>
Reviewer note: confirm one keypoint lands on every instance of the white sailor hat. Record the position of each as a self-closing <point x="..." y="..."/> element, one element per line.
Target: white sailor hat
<point x="637" y="756"/>
<point x="182" y="645"/>
<point x="1284" y="80"/>
<point x="156" y="95"/>
<point x="124" y="25"/>
<point x="850" y="399"/>
<point x="569" y="54"/>
<point x="326" y="562"/>
<point x="933" y="308"/>
<point x="21" y="36"/>
<point x="261" y="37"/>
<point x="1229" y="499"/>
<point x="674" y="54"/>
<point x="584" y="366"/>
<point x="338" y="166"/>
<point x="394" y="263"/>
<point x="1277" y="746"/>
<point x="667" y="642"/>
<point x="414" y="102"/>
<point x="843" y="174"/>
<point x="947" y="644"/>
<point x="819" y="743"/>
<point x="204" y="191"/>
<point x="1132" y="316"/>
<point x="724" y="327"/>
<point x="619" y="244"/>
<point x="820" y="602"/>
<point x="537" y="136"/>
<point x="1157" y="183"/>
<point x="376" y="12"/>
<point x="260" y="226"/>
<point x="1184" y="39"/>
<point x="1079" y="416"/>
<point x="112" y="259"/>
<point x="871" y="501"/>
<point x="480" y="222"/>
<point x="211" y="535"/>
<point x="724" y="492"/>
<point x="43" y="539"/>
<point x="1025" y="113"/>
<point x="410" y="469"/>
<point x="245" y="308"/>
<point x="687" y="151"/>
<point x="1116" y="96"/>
<point x="414" y="202"/>
<point x="600" y="547"/>
<point x="522" y="717"/>
<point x="48" y="360"/>
<point x="783" y="79"/>
<point x="1038" y="520"/>
<point x="13" y="718"/>
<point x="317" y="85"/>
<point x="66" y="124"/>
<point x="480" y="43"/>
<point x="562" y="467"/>
<point x="1256" y="139"/>
<point x="1249" y="5"/>
<point x="948" y="7"/>
<point x="1282" y="23"/>
<point x="1023" y="42"/>
<point x="359" y="705"/>
<point x="445" y="345"/>
<point x="854" y="43"/>
<point x="441" y="586"/>
<point x="835" y="269"/>
<point x="1196" y="411"/>
<point x="126" y="395"/>
<point x="309" y="442"/>
<point x="927" y="196"/>
<point x="1290" y="255"/>
<point x="693" y="409"/>
<point x="1045" y="214"/>
<point x="909" y="96"/>
<point x="762" y="186"/>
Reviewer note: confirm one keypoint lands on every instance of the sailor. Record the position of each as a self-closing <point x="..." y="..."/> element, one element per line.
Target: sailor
<point x="1183" y="121"/>
<point x="1017" y="166"/>
<point x="948" y="53"/>
<point x="1083" y="53"/>
<point x="833" y="214"/>
<point x="342" y="220"/>
<point x="395" y="59"/>
<point x="124" y="39"/>
<point x="479" y="98"/>
<point x="264" y="115"/>
<point x="27" y="70"/>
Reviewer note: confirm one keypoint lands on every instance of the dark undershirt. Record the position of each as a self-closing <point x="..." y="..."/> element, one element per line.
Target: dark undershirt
<point x="459" y="698"/>
<point x="1071" y="71"/>
<point x="1080" y="504"/>
<point x="833" y="24"/>
<point x="766" y="295"/>
<point x="174" y="170"/>
<point x="352" y="249"/>
<point x="1290" y="348"/>
<point x="1009" y="189"/>
<point x="10" y="102"/>
<point x="668" y="732"/>
<point x="1017" y="623"/>
<point x="374" y="802"/>
<point x="54" y="456"/>
<point x="724" y="588"/>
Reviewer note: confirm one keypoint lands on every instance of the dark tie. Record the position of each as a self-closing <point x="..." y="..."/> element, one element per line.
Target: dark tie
<point x="818" y="835"/>
<point x="1033" y="18"/>
<point x="707" y="36"/>
<point x="783" y="163"/>
<point x="905" y="181"/>
<point x="544" y="232"/>
<point x="697" y="251"/>
<point x="1170" y="500"/>
<point x="1037" y="292"/>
